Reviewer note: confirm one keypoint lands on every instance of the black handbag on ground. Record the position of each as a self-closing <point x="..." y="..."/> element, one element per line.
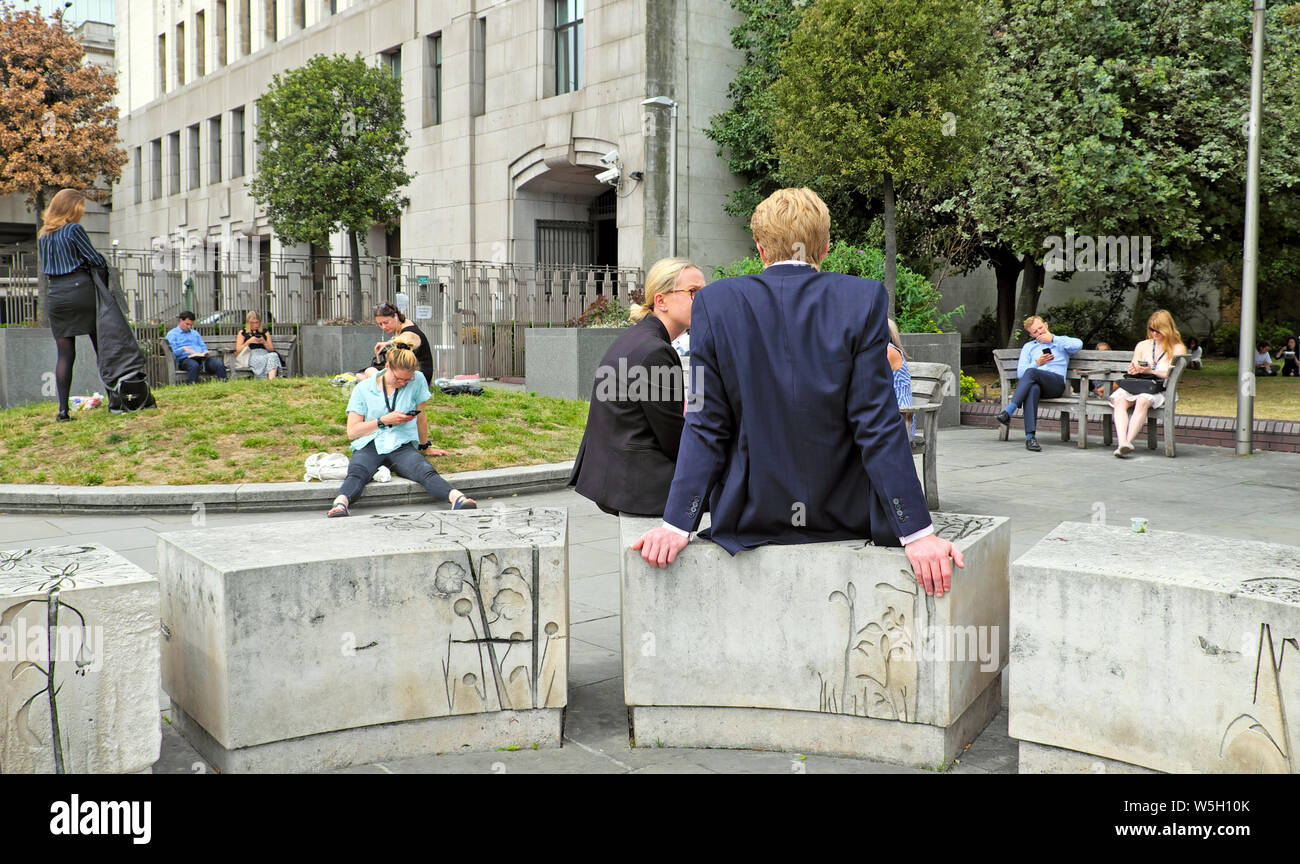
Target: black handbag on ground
<point x="1143" y="382"/>
<point x="133" y="393"/>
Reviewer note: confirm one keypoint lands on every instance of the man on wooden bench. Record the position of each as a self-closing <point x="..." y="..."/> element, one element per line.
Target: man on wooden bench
<point x="192" y="354"/>
<point x="1041" y="374"/>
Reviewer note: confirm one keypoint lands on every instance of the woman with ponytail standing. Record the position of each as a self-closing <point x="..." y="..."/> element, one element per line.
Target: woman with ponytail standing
<point x="66" y="258"/>
<point x="380" y="412"/>
<point x="634" y="425"/>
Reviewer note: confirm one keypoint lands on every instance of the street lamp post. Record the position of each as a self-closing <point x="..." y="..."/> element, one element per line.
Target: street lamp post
<point x="672" y="169"/>
<point x="1250" y="256"/>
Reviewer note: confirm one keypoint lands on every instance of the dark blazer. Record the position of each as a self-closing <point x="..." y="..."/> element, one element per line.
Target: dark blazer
<point x="794" y="433"/>
<point x="629" y="450"/>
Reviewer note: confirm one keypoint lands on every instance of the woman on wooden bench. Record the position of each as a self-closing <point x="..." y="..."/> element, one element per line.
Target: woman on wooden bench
<point x="1153" y="358"/>
<point x="262" y="360"/>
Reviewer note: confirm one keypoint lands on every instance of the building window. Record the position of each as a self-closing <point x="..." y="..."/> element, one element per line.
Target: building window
<point x="155" y="168"/>
<point x="393" y="61"/>
<point x="433" y="106"/>
<point x="139" y="174"/>
<point x="174" y="163"/>
<point x="221" y="33"/>
<point x="200" y="46"/>
<point x="478" y="71"/>
<point x="214" y="149"/>
<point x="272" y="25"/>
<point x="299" y="14"/>
<point x="333" y="6"/>
<point x="196" y="155"/>
<point x="180" y="55"/>
<point x="568" y="45"/>
<point x="245" y="28"/>
<point x="162" y="63"/>
<point x="237" y="143"/>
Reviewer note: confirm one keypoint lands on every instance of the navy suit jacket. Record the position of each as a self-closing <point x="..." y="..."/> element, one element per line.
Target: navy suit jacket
<point x="793" y="433"/>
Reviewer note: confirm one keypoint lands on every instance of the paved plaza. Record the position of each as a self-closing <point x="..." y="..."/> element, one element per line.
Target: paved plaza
<point x="1205" y="490"/>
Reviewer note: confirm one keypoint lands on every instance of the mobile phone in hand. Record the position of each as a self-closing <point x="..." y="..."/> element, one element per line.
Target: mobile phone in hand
<point x="1047" y="353"/>
<point x="1143" y="363"/>
<point x="412" y="412"/>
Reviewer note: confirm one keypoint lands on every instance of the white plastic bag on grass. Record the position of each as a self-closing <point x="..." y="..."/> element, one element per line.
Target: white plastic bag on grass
<point x="329" y="467"/>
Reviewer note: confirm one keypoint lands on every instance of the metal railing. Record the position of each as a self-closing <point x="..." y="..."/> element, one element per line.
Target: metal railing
<point x="474" y="312"/>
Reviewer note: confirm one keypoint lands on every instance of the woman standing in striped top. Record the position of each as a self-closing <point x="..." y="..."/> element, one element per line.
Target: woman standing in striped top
<point x="66" y="258"/>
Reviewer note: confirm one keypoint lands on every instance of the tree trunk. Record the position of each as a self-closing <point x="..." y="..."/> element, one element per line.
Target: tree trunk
<point x="42" y="284"/>
<point x="357" y="314"/>
<point x="1007" y="267"/>
<point x="1031" y="287"/>
<point x="891" y="246"/>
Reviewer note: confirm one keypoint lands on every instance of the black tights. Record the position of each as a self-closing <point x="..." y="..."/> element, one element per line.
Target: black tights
<point x="67" y="346"/>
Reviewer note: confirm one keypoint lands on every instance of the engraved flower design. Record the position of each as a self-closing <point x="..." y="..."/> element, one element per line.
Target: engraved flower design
<point x="509" y="604"/>
<point x="449" y="579"/>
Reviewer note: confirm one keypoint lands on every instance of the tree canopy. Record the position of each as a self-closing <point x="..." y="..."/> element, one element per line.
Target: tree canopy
<point x="333" y="145"/>
<point x="58" y="123"/>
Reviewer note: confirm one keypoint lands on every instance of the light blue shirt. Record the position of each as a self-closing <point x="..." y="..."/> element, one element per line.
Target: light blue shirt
<point x="1062" y="347"/>
<point x="368" y="401"/>
<point x="181" y="340"/>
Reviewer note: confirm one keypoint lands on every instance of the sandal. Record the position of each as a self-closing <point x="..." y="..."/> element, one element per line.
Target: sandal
<point x="339" y="509"/>
<point x="464" y="502"/>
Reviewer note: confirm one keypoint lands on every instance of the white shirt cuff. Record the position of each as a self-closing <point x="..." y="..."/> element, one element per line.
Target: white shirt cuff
<point x="679" y="532"/>
<point x="924" y="532"/>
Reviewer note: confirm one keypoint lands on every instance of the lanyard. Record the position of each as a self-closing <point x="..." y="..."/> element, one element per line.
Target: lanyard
<point x="383" y="385"/>
<point x="1154" y="358"/>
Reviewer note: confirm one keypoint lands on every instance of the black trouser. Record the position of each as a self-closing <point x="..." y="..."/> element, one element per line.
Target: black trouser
<point x="405" y="461"/>
<point x="1036" y="384"/>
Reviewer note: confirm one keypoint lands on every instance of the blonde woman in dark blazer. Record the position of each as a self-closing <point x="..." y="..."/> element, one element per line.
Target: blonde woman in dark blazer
<point x="629" y="449"/>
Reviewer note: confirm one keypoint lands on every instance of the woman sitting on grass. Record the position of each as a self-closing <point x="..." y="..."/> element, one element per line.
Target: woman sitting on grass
<point x="380" y="412"/>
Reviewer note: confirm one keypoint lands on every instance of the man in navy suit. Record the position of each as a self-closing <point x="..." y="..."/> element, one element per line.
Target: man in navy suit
<point x="794" y="434"/>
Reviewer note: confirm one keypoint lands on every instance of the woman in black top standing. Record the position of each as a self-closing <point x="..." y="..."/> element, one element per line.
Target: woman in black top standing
<point x="66" y="258"/>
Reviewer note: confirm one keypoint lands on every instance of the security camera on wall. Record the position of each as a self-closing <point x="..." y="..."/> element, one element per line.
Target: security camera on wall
<point x="611" y="176"/>
<point x="609" y="158"/>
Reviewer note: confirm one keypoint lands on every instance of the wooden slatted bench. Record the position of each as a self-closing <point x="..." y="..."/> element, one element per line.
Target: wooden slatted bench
<point x="224" y="347"/>
<point x="931" y="382"/>
<point x="1089" y="369"/>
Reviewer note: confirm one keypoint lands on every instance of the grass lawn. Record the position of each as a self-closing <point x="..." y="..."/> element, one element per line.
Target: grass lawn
<point x="1212" y="391"/>
<point x="261" y="431"/>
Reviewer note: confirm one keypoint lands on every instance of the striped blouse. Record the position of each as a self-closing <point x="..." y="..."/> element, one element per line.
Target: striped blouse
<point x="67" y="248"/>
<point x="903" y="392"/>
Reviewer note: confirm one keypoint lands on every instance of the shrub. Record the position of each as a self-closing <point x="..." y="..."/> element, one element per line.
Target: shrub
<point x="985" y="330"/>
<point x="917" y="303"/>
<point x="969" y="388"/>
<point x="1092" y="321"/>
<point x="602" y="312"/>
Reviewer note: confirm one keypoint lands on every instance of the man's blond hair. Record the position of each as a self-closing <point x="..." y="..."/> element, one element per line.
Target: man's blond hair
<point x="792" y="224"/>
<point x="1029" y="322"/>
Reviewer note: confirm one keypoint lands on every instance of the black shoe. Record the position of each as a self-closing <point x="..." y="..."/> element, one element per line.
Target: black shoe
<point x="1031" y="444"/>
<point x="1004" y="418"/>
<point x="62" y="417"/>
<point x="115" y="404"/>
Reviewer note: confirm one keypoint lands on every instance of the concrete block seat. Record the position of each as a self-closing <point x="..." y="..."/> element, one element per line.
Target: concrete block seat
<point x="80" y="621"/>
<point x="1158" y="651"/>
<point x="307" y="646"/>
<point x="816" y="648"/>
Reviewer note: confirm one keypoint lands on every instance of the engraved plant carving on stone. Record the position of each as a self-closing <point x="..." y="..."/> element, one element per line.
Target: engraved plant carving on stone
<point x="1282" y="588"/>
<point x="880" y="670"/>
<point x="496" y="639"/>
<point x="1258" y="741"/>
<point x="54" y="580"/>
<point x="953" y="526"/>
<point x="510" y="527"/>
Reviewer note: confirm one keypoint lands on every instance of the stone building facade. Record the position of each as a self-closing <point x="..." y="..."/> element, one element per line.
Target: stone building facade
<point x="510" y="105"/>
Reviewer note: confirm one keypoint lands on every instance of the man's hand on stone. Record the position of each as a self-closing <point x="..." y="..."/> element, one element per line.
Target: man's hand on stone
<point x="659" y="546"/>
<point x="929" y="557"/>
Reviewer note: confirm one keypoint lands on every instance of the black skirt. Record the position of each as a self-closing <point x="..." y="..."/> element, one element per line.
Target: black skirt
<point x="72" y="304"/>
